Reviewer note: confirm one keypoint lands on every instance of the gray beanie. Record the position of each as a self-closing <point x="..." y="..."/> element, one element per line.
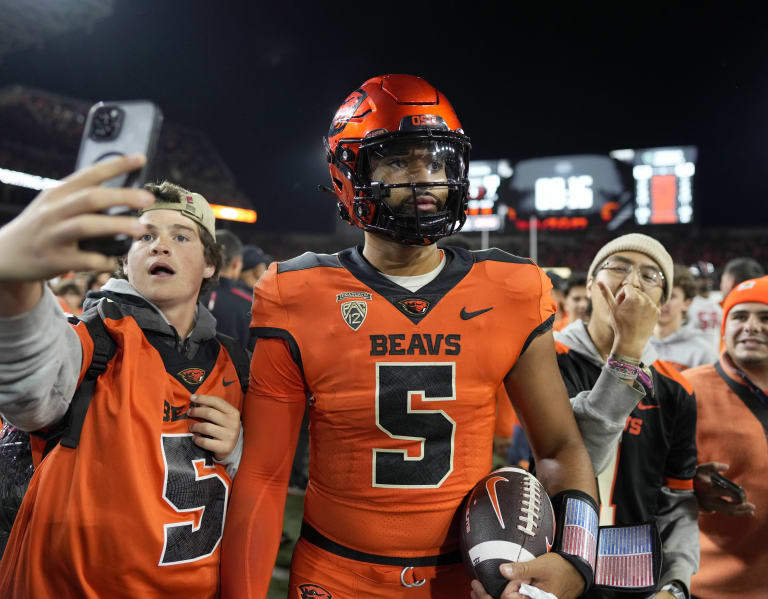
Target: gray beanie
<point x="637" y="242"/>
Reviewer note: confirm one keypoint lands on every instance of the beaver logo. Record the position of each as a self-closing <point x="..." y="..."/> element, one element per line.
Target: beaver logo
<point x="415" y="307"/>
<point x="313" y="591"/>
<point x="346" y="111"/>
<point x="192" y="376"/>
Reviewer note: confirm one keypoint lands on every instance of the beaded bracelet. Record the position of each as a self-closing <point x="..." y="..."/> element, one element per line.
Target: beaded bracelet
<point x="628" y="369"/>
<point x="623" y="370"/>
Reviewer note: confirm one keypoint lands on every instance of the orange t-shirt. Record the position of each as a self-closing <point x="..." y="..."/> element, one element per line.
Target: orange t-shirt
<point x="136" y="510"/>
<point x="402" y="407"/>
<point x="734" y="560"/>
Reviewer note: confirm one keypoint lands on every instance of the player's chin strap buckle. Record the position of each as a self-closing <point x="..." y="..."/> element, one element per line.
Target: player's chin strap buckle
<point x="410" y="585"/>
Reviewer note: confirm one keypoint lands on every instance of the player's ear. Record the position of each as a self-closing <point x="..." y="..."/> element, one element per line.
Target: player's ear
<point x="590" y="280"/>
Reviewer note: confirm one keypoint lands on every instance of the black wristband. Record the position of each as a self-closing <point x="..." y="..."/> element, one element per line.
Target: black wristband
<point x="577" y="531"/>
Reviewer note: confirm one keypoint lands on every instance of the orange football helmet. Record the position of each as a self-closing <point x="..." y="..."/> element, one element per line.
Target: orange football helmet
<point x="389" y="120"/>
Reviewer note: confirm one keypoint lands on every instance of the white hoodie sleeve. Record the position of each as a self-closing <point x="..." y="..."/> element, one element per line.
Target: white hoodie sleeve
<point x="40" y="359"/>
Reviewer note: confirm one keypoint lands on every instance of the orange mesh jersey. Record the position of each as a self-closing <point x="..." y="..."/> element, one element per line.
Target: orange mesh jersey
<point x="402" y="387"/>
<point x="136" y="510"/>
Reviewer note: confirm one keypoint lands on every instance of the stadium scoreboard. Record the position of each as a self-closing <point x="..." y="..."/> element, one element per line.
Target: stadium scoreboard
<point x="663" y="179"/>
<point x="484" y="213"/>
<point x="565" y="192"/>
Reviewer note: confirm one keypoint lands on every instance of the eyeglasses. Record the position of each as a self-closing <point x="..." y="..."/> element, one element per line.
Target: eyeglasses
<point x="650" y="277"/>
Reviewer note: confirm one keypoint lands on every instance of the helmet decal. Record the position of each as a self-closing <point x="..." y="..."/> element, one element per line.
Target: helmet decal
<point x="346" y="111"/>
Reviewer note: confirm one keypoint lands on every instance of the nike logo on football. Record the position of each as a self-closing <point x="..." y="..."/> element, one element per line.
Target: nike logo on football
<point x="467" y="315"/>
<point x="549" y="545"/>
<point x="227" y="383"/>
<point x="490" y="486"/>
<point x="642" y="406"/>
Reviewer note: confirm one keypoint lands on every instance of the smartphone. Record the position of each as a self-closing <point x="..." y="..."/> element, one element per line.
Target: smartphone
<point x="115" y="129"/>
<point x="730" y="487"/>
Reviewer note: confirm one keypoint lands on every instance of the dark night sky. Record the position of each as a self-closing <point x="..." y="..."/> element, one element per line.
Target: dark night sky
<point x="264" y="82"/>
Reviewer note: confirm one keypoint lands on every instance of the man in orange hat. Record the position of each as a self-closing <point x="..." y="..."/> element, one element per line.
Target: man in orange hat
<point x="731" y="436"/>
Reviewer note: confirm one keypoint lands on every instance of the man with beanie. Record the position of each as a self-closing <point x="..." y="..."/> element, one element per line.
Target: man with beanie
<point x="636" y="413"/>
<point x="130" y="502"/>
<point x="732" y="431"/>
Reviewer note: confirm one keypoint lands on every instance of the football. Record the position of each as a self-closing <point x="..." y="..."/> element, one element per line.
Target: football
<point x="507" y="517"/>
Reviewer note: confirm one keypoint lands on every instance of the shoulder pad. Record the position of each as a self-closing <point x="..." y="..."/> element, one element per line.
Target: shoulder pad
<point x="497" y="255"/>
<point x="309" y="260"/>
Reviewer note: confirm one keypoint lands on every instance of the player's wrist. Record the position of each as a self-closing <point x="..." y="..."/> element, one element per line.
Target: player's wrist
<point x="577" y="532"/>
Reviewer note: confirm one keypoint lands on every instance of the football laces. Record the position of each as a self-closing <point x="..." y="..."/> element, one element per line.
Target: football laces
<point x="530" y="507"/>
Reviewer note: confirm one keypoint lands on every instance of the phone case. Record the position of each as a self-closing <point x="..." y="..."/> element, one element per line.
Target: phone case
<point x="134" y="129"/>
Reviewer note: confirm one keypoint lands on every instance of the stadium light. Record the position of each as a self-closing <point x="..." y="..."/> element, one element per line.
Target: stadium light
<point x="231" y="213"/>
<point x="19" y="179"/>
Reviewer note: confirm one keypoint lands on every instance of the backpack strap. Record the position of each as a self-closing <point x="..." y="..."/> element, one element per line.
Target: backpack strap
<point x="241" y="358"/>
<point x="104" y="349"/>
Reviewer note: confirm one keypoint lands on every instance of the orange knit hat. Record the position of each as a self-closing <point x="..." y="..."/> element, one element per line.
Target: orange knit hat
<point x="753" y="290"/>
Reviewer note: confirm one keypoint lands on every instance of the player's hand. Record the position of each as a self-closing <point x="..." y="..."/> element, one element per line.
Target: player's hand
<point x="218" y="425"/>
<point x="663" y="595"/>
<point x="633" y="317"/>
<point x="41" y="242"/>
<point x="549" y="572"/>
<point x="715" y="499"/>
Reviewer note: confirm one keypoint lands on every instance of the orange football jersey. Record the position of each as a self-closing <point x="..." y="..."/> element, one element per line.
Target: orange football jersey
<point x="402" y="386"/>
<point x="137" y="509"/>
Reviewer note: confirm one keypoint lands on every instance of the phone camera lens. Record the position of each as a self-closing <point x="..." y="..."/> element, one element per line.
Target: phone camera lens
<point x="106" y="123"/>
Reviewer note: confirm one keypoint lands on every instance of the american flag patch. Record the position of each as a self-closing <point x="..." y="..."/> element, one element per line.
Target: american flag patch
<point x="580" y="530"/>
<point x="625" y="557"/>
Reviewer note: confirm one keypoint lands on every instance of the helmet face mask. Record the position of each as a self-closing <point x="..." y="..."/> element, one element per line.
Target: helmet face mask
<point x="403" y="171"/>
<point x="414" y="187"/>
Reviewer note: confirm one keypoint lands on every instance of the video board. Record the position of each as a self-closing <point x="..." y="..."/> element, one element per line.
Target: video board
<point x="663" y="183"/>
<point x="485" y="179"/>
<point x="565" y="190"/>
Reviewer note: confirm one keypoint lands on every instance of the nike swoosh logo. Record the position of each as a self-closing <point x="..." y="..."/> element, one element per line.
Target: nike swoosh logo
<point x="549" y="545"/>
<point x="227" y="383"/>
<point x="642" y="406"/>
<point x="467" y="315"/>
<point x="490" y="487"/>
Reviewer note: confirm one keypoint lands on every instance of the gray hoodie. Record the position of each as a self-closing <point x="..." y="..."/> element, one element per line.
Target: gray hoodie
<point x="601" y="415"/>
<point x="41" y="355"/>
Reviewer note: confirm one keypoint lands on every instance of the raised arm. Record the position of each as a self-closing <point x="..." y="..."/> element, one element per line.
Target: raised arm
<point x="40" y="354"/>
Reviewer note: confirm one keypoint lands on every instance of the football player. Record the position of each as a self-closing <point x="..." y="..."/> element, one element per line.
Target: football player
<point x="401" y="346"/>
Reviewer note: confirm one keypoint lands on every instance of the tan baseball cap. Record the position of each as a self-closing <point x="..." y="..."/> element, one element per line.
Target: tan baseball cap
<point x="192" y="205"/>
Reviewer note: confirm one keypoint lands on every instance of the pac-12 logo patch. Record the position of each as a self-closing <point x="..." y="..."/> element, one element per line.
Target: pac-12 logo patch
<point x="353" y="313"/>
<point x="192" y="376"/>
<point x="313" y="591"/>
<point x="416" y="306"/>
